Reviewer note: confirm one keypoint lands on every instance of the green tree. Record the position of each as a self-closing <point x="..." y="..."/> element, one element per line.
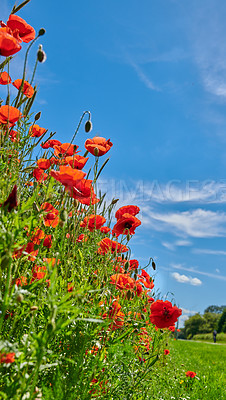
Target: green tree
<point x="214" y="309"/>
<point x="193" y="325"/>
<point x="222" y="323"/>
<point x="210" y="322"/>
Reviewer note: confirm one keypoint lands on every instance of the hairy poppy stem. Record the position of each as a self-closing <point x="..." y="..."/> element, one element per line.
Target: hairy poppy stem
<point x="20" y="93"/>
<point x="85" y="112"/>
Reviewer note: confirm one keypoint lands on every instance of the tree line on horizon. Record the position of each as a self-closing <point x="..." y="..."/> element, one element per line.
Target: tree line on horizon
<point x="214" y="318"/>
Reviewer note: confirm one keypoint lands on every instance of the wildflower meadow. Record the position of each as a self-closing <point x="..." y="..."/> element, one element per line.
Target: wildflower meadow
<point x="79" y="318"/>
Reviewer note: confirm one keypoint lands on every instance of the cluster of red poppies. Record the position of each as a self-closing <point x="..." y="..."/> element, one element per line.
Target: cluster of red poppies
<point x="15" y="31"/>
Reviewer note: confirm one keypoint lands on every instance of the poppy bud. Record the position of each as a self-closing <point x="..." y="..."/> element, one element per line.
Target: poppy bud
<point x="41" y="32"/>
<point x="63" y="215"/>
<point x="128" y="295"/>
<point x="33" y="308"/>
<point x="51" y="326"/>
<point x="96" y="151"/>
<point x="61" y="224"/>
<point x="88" y="126"/>
<point x="126" y="265"/>
<point x="128" y="237"/>
<point x="37" y="116"/>
<point x="114" y="201"/>
<point x="135" y="277"/>
<point x="41" y="55"/>
<point x="153" y="265"/>
<point x="20" y="298"/>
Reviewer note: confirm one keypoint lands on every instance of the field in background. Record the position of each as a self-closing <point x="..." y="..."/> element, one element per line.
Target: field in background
<point x="207" y="360"/>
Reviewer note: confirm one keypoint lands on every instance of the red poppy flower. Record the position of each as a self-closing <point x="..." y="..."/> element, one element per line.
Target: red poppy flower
<point x="50" y="143"/>
<point x="51" y="218"/>
<point x="172" y="328"/>
<point x="77" y="161"/>
<point x="27" y="90"/>
<point x="107" y="245"/>
<point x="151" y="299"/>
<point x="39" y="272"/>
<point x="43" y="163"/>
<point x="122" y="281"/>
<point x="30" y="249"/>
<point x="7" y="358"/>
<point x="22" y="281"/>
<point x="83" y="192"/>
<point x="146" y="279"/>
<point x="126" y="224"/>
<point x="166" y="351"/>
<point x="93" y="222"/>
<point x="101" y="144"/>
<point x="132" y="210"/>
<point x="65" y="149"/>
<point x="163" y="314"/>
<point x="191" y="374"/>
<point x="11" y="202"/>
<point x="105" y="229"/>
<point x="70" y="287"/>
<point x="9" y="45"/>
<point x="9" y="115"/>
<point x="36" y="131"/>
<point x="14" y="136"/>
<point x="81" y="238"/>
<point x="116" y="315"/>
<point x="4" y="78"/>
<point x="67" y="175"/>
<point x="39" y="174"/>
<point x="47" y="242"/>
<point x="25" y="31"/>
<point x="134" y="264"/>
<point x="38" y="236"/>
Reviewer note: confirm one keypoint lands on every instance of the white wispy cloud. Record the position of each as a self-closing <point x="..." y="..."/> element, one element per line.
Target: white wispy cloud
<point x="189" y="312"/>
<point x="196" y="271"/>
<point x="173" y="245"/>
<point x="206" y="34"/>
<point x="210" y="252"/>
<point x="197" y="223"/>
<point x="186" y="279"/>
<point x="142" y="76"/>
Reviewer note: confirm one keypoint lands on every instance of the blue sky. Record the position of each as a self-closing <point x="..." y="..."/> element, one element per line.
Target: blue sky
<point x="153" y="75"/>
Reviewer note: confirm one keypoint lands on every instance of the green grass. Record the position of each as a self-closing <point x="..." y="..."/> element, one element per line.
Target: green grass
<point x="207" y="360"/>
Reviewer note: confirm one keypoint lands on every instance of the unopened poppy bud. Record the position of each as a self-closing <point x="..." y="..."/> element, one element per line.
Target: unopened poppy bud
<point x="114" y="201"/>
<point x="126" y="265"/>
<point x="41" y="32"/>
<point x="41" y="55"/>
<point x="35" y="208"/>
<point x="51" y="326"/>
<point x="20" y="298"/>
<point x="63" y="215"/>
<point x="88" y="126"/>
<point x="143" y="317"/>
<point x="153" y="265"/>
<point x="128" y="237"/>
<point x="37" y="116"/>
<point x="135" y="277"/>
<point x="33" y="308"/>
<point x="96" y="151"/>
<point x="128" y="295"/>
